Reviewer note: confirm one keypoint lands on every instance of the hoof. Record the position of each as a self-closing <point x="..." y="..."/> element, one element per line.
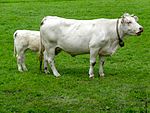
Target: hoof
<point x="91" y="76"/>
<point x="57" y="75"/>
<point x="102" y="75"/>
<point x="46" y="72"/>
<point x="25" y="69"/>
<point x="20" y="70"/>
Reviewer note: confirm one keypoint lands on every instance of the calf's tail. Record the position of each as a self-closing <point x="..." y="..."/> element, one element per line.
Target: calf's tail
<point x="14" y="36"/>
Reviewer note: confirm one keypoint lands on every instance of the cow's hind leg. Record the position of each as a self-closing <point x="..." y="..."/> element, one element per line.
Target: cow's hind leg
<point x="45" y="63"/>
<point x="46" y="67"/>
<point x="101" y="66"/>
<point x="50" y="59"/>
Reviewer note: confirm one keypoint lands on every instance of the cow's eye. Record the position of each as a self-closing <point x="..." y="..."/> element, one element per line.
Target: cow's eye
<point x="129" y="22"/>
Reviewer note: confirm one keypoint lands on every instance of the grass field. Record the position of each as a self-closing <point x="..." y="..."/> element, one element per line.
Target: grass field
<point x="124" y="89"/>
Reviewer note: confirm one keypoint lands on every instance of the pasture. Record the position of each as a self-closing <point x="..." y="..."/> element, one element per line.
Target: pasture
<point x="125" y="87"/>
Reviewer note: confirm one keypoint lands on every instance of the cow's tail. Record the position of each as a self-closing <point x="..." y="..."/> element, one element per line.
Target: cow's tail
<point x="41" y="49"/>
<point x="41" y="56"/>
<point x="41" y="52"/>
<point x="14" y="36"/>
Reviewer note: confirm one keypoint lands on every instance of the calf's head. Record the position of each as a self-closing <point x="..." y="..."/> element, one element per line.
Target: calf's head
<point x="130" y="25"/>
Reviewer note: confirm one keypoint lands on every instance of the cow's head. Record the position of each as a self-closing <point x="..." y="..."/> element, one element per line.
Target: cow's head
<point x="130" y="25"/>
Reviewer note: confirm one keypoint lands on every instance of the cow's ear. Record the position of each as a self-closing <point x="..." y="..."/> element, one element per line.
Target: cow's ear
<point x="124" y="20"/>
<point x="136" y="18"/>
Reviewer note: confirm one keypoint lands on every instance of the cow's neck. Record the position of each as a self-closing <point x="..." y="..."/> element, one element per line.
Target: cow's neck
<point x="120" y="33"/>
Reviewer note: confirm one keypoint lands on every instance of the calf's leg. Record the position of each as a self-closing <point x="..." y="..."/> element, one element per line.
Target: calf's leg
<point x="19" y="63"/>
<point x="23" y="63"/>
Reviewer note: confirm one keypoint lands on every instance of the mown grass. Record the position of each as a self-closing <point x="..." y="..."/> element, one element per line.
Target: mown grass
<point x="125" y="89"/>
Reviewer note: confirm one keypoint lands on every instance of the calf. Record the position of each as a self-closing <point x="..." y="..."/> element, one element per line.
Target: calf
<point x="23" y="40"/>
<point x="95" y="37"/>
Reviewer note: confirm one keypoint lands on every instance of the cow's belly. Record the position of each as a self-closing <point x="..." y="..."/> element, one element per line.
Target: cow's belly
<point x="106" y="52"/>
<point x="77" y="51"/>
<point x="74" y="47"/>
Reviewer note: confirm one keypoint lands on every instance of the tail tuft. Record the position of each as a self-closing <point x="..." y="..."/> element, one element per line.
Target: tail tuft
<point x="14" y="36"/>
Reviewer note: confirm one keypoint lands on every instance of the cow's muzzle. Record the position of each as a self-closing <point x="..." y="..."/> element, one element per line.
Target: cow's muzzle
<point x="140" y="31"/>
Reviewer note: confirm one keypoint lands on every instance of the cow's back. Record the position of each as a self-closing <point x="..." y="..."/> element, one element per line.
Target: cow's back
<point x="76" y="36"/>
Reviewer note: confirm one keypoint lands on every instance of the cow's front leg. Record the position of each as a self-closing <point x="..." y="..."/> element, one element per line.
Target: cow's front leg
<point x="93" y="54"/>
<point x="101" y="70"/>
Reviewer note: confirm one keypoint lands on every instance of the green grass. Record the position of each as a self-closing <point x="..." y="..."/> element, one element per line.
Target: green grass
<point x="124" y="89"/>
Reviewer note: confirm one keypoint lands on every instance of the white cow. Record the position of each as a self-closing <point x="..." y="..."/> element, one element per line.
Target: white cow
<point x="98" y="37"/>
<point x="23" y="40"/>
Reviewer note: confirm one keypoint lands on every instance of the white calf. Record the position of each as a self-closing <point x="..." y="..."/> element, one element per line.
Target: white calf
<point x="23" y="40"/>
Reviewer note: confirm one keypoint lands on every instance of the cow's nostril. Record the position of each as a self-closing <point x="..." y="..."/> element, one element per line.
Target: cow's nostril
<point x="141" y="28"/>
